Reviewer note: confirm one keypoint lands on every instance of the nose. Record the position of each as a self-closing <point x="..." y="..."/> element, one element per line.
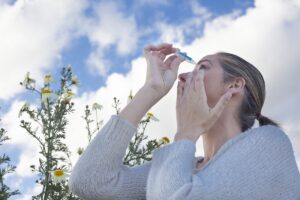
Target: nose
<point x="184" y="76"/>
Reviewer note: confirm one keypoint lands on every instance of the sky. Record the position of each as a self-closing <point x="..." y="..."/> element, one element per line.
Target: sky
<point x="104" y="41"/>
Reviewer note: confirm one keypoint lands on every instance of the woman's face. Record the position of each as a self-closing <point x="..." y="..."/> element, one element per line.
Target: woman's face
<point x="213" y="78"/>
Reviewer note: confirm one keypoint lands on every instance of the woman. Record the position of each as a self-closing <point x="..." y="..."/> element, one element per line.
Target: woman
<point x="219" y="100"/>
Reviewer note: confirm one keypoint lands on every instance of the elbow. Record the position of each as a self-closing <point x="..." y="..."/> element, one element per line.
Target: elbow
<point x="76" y="185"/>
<point x="86" y="187"/>
<point x="80" y="186"/>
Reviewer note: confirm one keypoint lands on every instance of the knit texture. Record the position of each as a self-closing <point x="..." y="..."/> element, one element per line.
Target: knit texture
<point x="256" y="164"/>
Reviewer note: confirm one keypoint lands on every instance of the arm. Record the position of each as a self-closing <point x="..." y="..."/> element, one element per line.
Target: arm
<point x="99" y="172"/>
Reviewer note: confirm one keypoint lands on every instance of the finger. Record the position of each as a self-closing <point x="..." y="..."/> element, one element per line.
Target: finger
<point x="179" y="89"/>
<point x="149" y="48"/>
<point x="169" y="60"/>
<point x="175" y="64"/>
<point x="168" y="51"/>
<point x="158" y="47"/>
<point x="187" y="85"/>
<point x="158" y="54"/>
<point x="163" y="45"/>
<point x="199" y="84"/>
<point x="219" y="107"/>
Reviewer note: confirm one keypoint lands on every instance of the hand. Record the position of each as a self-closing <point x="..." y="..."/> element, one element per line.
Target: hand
<point x="161" y="72"/>
<point x="194" y="116"/>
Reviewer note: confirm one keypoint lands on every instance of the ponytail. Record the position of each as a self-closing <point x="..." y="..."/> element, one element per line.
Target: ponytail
<point x="266" y="121"/>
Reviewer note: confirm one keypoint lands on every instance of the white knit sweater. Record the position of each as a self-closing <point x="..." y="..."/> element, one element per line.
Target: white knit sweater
<point x="258" y="164"/>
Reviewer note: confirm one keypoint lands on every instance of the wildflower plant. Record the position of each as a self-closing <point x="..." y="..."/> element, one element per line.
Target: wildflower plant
<point x="50" y="122"/>
<point x="140" y="149"/>
<point x="47" y="126"/>
<point x="5" y="168"/>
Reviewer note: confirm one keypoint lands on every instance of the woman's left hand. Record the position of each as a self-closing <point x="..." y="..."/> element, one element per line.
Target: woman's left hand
<point x="194" y="116"/>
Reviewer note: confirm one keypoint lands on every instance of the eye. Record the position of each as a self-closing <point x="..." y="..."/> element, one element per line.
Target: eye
<point x="202" y="67"/>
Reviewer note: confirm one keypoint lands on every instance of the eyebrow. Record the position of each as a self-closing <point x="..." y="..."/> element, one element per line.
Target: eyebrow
<point x="201" y="61"/>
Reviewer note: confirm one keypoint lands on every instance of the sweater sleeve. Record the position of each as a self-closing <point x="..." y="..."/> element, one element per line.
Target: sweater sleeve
<point x="171" y="171"/>
<point x="99" y="172"/>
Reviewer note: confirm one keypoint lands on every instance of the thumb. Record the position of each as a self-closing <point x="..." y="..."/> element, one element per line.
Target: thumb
<point x="175" y="64"/>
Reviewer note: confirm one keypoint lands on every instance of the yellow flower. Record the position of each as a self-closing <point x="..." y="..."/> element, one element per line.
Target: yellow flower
<point x="129" y="97"/>
<point x="67" y="96"/>
<point x="151" y="116"/>
<point x="59" y="175"/>
<point x="70" y="94"/>
<point x="48" y="94"/>
<point x="48" y="78"/>
<point x="165" y="140"/>
<point x="97" y="106"/>
<point x="74" y="80"/>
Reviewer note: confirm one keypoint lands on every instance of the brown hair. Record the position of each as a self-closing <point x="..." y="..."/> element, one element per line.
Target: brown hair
<point x="255" y="92"/>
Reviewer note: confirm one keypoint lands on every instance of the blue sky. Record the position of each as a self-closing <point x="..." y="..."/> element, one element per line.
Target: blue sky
<point x="104" y="41"/>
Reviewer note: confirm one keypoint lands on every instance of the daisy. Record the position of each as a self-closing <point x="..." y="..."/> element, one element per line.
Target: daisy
<point x="164" y="140"/>
<point x="59" y="175"/>
<point x="74" y="80"/>
<point x="48" y="94"/>
<point x="151" y="116"/>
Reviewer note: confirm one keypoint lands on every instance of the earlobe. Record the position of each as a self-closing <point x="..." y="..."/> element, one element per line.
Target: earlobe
<point x="233" y="90"/>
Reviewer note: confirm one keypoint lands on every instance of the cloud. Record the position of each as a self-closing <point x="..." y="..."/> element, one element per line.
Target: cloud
<point x="110" y="27"/>
<point x="33" y="33"/>
<point x="191" y="26"/>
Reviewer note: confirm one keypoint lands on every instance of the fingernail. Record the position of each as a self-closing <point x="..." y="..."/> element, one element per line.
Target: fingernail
<point x="228" y="96"/>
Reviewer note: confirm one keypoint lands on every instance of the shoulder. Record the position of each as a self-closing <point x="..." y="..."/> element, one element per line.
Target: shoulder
<point x="270" y="134"/>
<point x="271" y="142"/>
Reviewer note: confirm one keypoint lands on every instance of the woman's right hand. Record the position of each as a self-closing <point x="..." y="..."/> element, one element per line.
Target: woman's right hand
<point x="161" y="72"/>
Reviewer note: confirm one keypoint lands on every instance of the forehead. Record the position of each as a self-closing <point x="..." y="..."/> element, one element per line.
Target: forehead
<point x="207" y="59"/>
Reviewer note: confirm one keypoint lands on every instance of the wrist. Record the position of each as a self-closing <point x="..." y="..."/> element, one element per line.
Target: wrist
<point x="152" y="92"/>
<point x="140" y="104"/>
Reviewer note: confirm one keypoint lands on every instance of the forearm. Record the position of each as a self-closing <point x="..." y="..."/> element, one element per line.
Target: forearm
<point x="144" y="99"/>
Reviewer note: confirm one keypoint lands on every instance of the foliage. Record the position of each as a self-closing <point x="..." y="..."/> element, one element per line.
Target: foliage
<point x="5" y="168"/>
<point x="47" y="127"/>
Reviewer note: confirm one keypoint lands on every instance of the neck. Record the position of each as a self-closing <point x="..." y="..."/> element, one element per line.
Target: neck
<point x="223" y="130"/>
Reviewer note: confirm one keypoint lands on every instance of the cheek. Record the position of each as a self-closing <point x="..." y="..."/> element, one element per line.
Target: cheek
<point x="212" y="89"/>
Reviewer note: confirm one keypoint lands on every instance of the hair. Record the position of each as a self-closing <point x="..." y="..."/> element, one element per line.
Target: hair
<point x="254" y="93"/>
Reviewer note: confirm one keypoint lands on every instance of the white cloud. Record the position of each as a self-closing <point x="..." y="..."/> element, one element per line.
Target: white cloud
<point x="33" y="33"/>
<point x="110" y="28"/>
<point x="177" y="33"/>
<point x="37" y="189"/>
<point x="151" y="2"/>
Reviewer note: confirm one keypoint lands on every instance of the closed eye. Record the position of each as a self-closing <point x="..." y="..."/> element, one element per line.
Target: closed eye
<point x="202" y="67"/>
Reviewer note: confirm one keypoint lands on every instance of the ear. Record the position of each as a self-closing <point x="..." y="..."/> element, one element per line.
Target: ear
<point x="237" y="85"/>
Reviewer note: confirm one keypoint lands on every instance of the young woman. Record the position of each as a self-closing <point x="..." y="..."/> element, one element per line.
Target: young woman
<point x="220" y="100"/>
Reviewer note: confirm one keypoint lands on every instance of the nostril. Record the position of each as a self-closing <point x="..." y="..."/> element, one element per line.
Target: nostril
<point x="181" y="78"/>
